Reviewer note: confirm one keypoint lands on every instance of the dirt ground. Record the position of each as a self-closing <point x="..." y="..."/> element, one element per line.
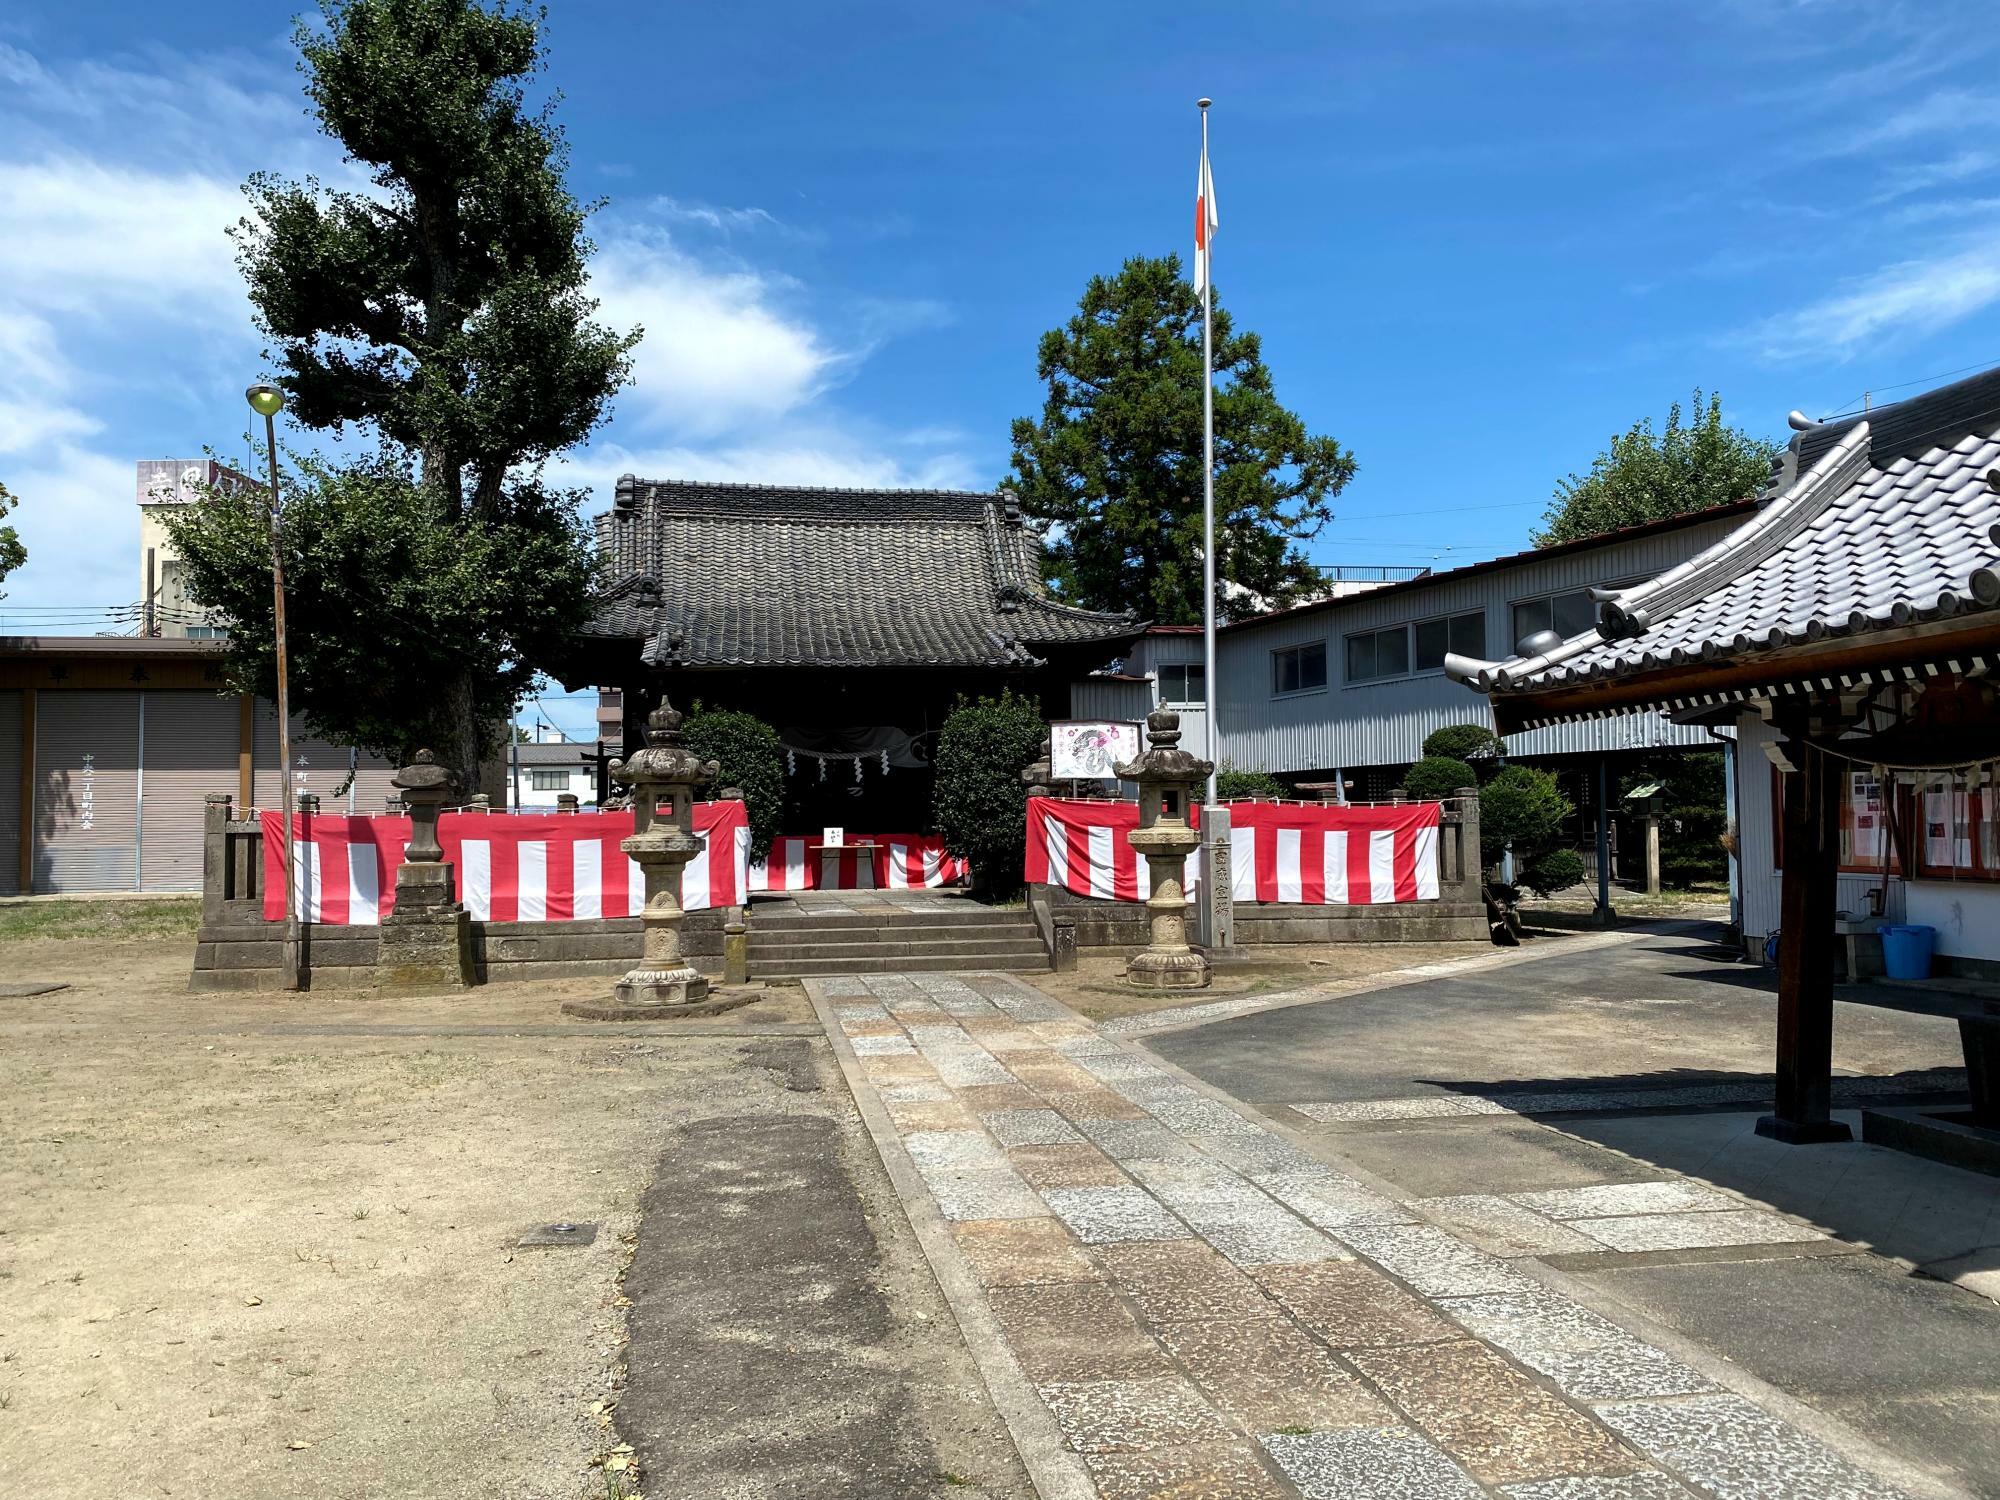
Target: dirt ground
<point x="258" y="1245"/>
<point x="1097" y="987"/>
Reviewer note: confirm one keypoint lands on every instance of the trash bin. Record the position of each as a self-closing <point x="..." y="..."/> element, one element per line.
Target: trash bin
<point x="1906" y="950"/>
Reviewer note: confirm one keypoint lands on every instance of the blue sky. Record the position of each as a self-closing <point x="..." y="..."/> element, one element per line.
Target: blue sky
<point x="1477" y="238"/>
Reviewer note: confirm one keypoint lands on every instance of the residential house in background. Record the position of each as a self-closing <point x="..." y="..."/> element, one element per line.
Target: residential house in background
<point x="164" y="485"/>
<point x="539" y="773"/>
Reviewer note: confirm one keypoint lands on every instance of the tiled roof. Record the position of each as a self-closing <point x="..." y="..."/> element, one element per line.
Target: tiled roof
<point x="552" y="752"/>
<point x="770" y="575"/>
<point x="1871" y="524"/>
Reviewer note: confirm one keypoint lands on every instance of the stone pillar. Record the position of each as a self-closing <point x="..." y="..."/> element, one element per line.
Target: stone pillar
<point x="663" y="775"/>
<point x="1168" y="777"/>
<point x="1649" y="831"/>
<point x="1471" y="871"/>
<point x="426" y="941"/>
<point x="214" y="856"/>
<point x="736" y="948"/>
<point x="1037" y="775"/>
<point x="566" y="802"/>
<point x="1063" y="959"/>
<point x="307" y="805"/>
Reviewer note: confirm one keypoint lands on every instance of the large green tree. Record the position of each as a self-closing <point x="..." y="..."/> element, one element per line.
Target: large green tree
<point x="443" y="312"/>
<point x="12" y="553"/>
<point x="1649" y="476"/>
<point x="1112" y="469"/>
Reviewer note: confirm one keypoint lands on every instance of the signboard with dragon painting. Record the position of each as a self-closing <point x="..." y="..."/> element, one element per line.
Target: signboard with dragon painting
<point x="1088" y="749"/>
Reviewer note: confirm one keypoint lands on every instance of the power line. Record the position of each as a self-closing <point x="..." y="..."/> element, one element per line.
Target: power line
<point x="1869" y="394"/>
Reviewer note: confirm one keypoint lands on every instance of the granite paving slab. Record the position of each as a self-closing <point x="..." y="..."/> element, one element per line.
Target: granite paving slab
<point x="1202" y="1471"/>
<point x="1429" y="1107"/>
<point x="1030" y="1127"/>
<point x="1369" y="1463"/>
<point x="1698" y="1231"/>
<point x="1066" y="1166"/>
<point x="1094" y="1104"/>
<point x="930" y="1089"/>
<point x="1048" y="1075"/>
<point x="1021" y="1252"/>
<point x="1269" y="1375"/>
<point x="1137" y="1140"/>
<point x="1647" y="1485"/>
<point x="1074" y="1331"/>
<point x="1352" y="1306"/>
<point x="984" y="1193"/>
<point x="1434" y="1262"/>
<point x="1618" y="1198"/>
<point x="1125" y="1416"/>
<point x="1329" y="1199"/>
<point x="1737" y="1451"/>
<point x="930" y="1114"/>
<point x="1257" y="1151"/>
<point x="1489" y="1416"/>
<point x="1108" y="1215"/>
<point x="1502" y="1227"/>
<point x="990" y="1098"/>
<point x="1589" y="1358"/>
<point x="948" y="1150"/>
<point x="1184" y="1281"/>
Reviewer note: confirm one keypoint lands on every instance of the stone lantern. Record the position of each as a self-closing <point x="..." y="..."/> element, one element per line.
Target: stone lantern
<point x="426" y="939"/>
<point x="1167" y="776"/>
<point x="663" y="776"/>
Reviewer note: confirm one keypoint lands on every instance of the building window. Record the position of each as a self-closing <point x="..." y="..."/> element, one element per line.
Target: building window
<point x="1461" y="635"/>
<point x="1183" y="683"/>
<point x="547" y="779"/>
<point x="208" y="633"/>
<point x="1375" y="654"/>
<point x="1299" y="669"/>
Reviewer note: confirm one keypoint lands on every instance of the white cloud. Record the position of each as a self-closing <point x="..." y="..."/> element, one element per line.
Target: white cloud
<point x="82" y="234"/>
<point x="78" y="520"/>
<point x="719" y="353"/>
<point x="1901" y="301"/>
<point x="800" y="456"/>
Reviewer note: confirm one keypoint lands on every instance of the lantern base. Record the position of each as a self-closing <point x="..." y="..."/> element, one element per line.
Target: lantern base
<point x="1150" y="970"/>
<point x="665" y="988"/>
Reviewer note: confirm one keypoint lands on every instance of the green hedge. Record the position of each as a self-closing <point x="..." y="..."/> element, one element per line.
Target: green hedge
<point x="979" y="800"/>
<point x="748" y="751"/>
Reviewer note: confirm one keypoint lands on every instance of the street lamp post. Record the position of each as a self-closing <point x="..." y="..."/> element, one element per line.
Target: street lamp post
<point x="267" y="401"/>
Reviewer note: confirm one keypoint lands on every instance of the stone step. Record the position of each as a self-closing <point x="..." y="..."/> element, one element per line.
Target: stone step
<point x="897" y="947"/>
<point x="820" y="968"/>
<point x="762" y="920"/>
<point x="882" y="932"/>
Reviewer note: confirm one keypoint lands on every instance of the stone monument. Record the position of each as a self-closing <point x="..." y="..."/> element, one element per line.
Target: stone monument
<point x="1167" y="776"/>
<point x="663" y="775"/>
<point x="426" y="939"/>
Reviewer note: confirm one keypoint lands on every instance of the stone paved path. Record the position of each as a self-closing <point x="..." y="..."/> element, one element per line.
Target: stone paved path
<point x="1208" y="1312"/>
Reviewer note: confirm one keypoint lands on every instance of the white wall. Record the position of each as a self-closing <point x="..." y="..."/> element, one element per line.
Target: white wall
<point x="1966" y="914"/>
<point x="582" y="781"/>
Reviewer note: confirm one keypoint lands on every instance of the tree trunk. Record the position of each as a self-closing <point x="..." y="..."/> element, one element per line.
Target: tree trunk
<point x="453" y="733"/>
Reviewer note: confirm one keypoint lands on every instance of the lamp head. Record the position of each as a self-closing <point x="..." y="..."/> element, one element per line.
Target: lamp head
<point x="265" y="400"/>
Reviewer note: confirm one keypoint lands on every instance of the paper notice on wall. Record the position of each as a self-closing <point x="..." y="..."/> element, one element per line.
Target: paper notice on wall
<point x="1865" y="817"/>
<point x="1947" y="841"/>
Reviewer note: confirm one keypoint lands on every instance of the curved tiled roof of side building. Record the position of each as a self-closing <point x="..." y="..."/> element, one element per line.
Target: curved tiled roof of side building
<point x="778" y="575"/>
<point x="1875" y="523"/>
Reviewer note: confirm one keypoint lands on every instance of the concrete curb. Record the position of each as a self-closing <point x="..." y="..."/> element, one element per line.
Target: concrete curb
<point x="1055" y="1472"/>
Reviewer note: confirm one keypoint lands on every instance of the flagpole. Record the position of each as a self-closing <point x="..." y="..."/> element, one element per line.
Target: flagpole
<point x="1210" y="686"/>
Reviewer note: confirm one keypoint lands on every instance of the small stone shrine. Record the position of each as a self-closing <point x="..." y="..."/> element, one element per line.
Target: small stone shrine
<point x="426" y="940"/>
<point x="1167" y="776"/>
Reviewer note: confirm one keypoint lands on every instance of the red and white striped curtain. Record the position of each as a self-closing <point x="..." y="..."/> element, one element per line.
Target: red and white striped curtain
<point x="532" y="868"/>
<point x="1299" y="854"/>
<point x="869" y="862"/>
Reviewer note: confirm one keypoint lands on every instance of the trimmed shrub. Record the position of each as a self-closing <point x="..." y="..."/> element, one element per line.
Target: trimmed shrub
<point x="748" y="751"/>
<point x="1473" y="742"/>
<point x="1232" y="785"/>
<point x="980" y="802"/>
<point x="1523" y="808"/>
<point x="1436" y="777"/>
<point x="1552" y="870"/>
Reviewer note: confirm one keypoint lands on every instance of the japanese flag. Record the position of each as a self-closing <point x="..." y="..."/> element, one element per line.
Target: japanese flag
<point x="1205" y="220"/>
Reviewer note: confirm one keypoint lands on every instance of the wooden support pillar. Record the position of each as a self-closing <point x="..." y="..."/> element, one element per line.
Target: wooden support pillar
<point x="1805" y="956"/>
<point x="26" y="869"/>
<point x="246" y="749"/>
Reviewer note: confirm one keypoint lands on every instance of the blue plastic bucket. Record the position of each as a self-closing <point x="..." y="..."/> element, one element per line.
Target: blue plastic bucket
<point x="1906" y="951"/>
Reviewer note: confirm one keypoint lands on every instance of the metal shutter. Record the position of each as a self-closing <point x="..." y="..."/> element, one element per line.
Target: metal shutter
<point x="10" y="792"/>
<point x="190" y="750"/>
<point x="86" y="791"/>
<point x="319" y="767"/>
